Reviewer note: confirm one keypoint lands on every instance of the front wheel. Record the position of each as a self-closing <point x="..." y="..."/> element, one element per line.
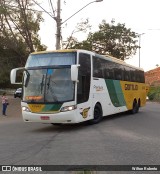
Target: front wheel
<point x="97" y="114"/>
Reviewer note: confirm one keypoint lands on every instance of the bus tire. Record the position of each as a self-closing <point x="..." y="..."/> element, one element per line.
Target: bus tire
<point x="97" y="117"/>
<point x="139" y="104"/>
<point x="135" y="108"/>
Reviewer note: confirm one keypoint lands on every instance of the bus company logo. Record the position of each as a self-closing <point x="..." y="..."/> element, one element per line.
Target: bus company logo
<point x="84" y="113"/>
<point x="131" y="87"/>
<point x="98" y="88"/>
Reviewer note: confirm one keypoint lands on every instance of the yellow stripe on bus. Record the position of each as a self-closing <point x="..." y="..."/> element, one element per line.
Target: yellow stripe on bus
<point x="133" y="90"/>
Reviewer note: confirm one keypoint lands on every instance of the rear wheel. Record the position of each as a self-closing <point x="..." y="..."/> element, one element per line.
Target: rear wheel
<point x="135" y="108"/>
<point x="97" y="114"/>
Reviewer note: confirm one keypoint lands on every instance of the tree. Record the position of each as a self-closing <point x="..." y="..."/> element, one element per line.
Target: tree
<point x="157" y="65"/>
<point x="114" y="40"/>
<point x="19" y="26"/>
<point x="82" y="26"/>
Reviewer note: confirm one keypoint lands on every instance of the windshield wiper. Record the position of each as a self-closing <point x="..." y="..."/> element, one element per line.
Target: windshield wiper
<point x="48" y="84"/>
<point x="51" y="89"/>
<point x="42" y="84"/>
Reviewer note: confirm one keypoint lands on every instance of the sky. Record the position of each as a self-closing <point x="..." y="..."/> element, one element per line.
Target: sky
<point x="139" y="15"/>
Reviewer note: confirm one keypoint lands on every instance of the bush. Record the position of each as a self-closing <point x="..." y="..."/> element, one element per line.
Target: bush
<point x="151" y="96"/>
<point x="154" y="93"/>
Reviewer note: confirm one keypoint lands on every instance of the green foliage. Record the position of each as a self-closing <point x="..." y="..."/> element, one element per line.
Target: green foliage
<point x="82" y="26"/>
<point x="114" y="40"/>
<point x="18" y="34"/>
<point x="151" y="96"/>
<point x="154" y="93"/>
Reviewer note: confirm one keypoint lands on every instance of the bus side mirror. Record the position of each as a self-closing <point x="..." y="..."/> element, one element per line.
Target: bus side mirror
<point x="13" y="75"/>
<point x="74" y="72"/>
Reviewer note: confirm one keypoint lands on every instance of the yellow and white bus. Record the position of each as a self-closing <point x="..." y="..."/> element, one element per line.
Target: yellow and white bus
<point x="72" y="86"/>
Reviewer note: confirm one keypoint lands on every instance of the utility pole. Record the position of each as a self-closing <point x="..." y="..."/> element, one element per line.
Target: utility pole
<point x="139" y="35"/>
<point x="58" y="21"/>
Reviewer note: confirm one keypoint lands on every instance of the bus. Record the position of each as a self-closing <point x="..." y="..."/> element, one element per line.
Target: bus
<point x="72" y="86"/>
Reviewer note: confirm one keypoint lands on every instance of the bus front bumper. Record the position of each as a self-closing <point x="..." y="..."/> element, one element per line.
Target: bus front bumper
<point x="60" y="117"/>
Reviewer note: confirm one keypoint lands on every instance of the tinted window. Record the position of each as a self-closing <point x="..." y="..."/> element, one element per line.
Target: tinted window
<point x="126" y="73"/>
<point x="119" y="71"/>
<point x="111" y="70"/>
<point x="97" y="67"/>
<point x="103" y="68"/>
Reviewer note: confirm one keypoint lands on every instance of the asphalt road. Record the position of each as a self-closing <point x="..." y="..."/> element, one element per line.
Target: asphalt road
<point x="121" y="139"/>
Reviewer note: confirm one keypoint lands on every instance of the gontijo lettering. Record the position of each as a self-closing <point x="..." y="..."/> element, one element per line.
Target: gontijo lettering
<point x="131" y="87"/>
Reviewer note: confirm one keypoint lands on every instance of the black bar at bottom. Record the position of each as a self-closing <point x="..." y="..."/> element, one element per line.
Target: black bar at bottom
<point x="40" y="168"/>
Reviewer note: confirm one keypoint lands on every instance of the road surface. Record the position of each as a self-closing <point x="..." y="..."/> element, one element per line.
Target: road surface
<point x="121" y="139"/>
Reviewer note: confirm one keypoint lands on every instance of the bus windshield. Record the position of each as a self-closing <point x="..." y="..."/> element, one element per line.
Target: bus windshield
<point x="48" y="85"/>
<point x="48" y="78"/>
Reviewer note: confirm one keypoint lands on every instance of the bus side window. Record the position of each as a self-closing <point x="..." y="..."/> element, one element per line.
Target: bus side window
<point x="118" y="71"/>
<point x="127" y="74"/>
<point x="142" y="79"/>
<point x="137" y="72"/>
<point x="97" y="67"/>
<point x="109" y="70"/>
<point x="133" y="75"/>
<point x="117" y="74"/>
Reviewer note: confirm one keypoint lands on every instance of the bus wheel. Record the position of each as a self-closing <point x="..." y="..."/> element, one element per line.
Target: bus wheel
<point x="135" y="108"/>
<point x="97" y="114"/>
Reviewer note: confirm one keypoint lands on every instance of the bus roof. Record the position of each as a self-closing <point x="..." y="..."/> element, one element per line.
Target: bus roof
<point x="54" y="51"/>
<point x="107" y="57"/>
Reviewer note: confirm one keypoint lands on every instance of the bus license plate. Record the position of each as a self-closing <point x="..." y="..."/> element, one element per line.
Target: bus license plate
<point x="45" y="118"/>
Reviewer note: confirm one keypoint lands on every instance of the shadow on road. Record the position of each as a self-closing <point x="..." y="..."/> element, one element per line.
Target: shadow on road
<point x="83" y="125"/>
<point x="14" y="114"/>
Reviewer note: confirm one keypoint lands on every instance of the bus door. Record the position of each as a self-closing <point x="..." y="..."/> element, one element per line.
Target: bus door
<point x="83" y="87"/>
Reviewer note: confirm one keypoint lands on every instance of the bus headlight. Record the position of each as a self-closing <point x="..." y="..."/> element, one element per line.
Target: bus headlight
<point x="68" y="108"/>
<point x="25" y="108"/>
